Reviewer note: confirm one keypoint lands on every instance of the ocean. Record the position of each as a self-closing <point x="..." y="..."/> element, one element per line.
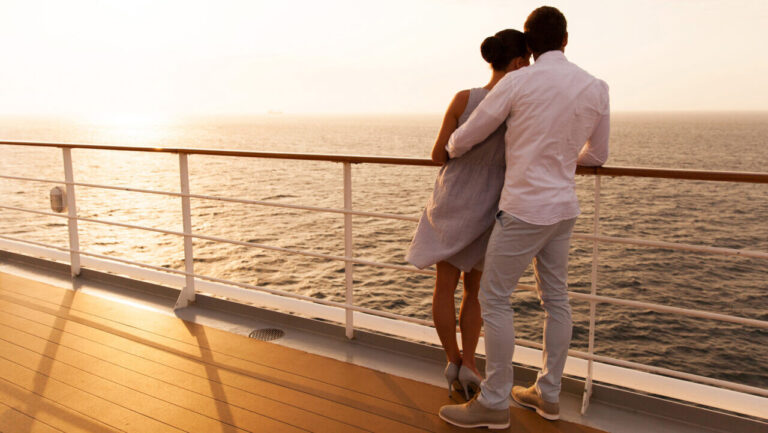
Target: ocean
<point x="718" y="214"/>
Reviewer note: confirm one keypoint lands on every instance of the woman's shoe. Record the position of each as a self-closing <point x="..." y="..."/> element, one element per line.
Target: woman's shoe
<point x="470" y="381"/>
<point x="451" y="375"/>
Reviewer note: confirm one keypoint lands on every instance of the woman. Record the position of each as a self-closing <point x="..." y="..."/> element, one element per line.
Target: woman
<point x="453" y="232"/>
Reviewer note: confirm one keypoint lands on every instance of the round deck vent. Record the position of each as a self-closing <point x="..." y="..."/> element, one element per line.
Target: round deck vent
<point x="267" y="334"/>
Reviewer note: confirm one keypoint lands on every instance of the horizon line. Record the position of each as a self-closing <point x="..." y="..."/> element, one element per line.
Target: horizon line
<point x="277" y="114"/>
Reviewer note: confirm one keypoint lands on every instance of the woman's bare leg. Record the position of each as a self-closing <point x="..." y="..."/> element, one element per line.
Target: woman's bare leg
<point x="470" y="319"/>
<point x="444" y="309"/>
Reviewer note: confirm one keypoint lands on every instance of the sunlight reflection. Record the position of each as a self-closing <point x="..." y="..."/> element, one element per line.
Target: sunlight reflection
<point x="125" y="301"/>
<point x="129" y="129"/>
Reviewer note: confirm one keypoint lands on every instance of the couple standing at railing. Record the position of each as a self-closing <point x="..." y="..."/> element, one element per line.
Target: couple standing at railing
<point x="504" y="197"/>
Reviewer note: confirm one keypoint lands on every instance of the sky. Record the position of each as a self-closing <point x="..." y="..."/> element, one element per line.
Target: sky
<point x="164" y="58"/>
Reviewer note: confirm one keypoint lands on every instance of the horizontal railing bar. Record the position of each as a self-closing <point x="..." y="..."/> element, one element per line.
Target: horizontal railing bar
<point x="319" y="301"/>
<point x="227" y="199"/>
<point x="582" y="236"/>
<point x="354" y="159"/>
<point x="125" y="188"/>
<point x="669" y="173"/>
<point x="235" y="242"/>
<point x="667" y="309"/>
<point x="30" y="179"/>
<point x="652" y="369"/>
<point x="310" y="208"/>
<point x="257" y="202"/>
<point x="660" y="308"/>
<point x="131" y="226"/>
<point x="92" y="185"/>
<point x="20" y="209"/>
<point x="673" y="246"/>
<point x="266" y="247"/>
<point x="718" y="176"/>
<point x="316" y="255"/>
<point x="101" y="256"/>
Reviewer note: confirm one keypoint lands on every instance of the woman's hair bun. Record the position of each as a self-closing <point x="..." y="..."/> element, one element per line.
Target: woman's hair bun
<point x="501" y="48"/>
<point x="491" y="48"/>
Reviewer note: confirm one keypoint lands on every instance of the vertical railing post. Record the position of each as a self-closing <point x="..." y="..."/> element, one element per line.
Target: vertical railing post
<point x="187" y="294"/>
<point x="592" y="304"/>
<point x="348" y="265"/>
<point x="74" y="238"/>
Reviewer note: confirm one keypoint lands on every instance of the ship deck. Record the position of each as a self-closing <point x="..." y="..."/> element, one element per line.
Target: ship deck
<point x="75" y="362"/>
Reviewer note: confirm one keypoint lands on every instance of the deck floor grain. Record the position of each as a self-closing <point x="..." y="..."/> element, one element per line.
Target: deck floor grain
<point x="71" y="362"/>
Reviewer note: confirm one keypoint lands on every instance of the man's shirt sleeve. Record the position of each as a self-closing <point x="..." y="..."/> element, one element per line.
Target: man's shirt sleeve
<point x="486" y="118"/>
<point x="595" y="151"/>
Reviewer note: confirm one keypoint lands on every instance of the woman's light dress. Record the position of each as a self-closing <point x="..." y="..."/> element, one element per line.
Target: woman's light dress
<point x="458" y="218"/>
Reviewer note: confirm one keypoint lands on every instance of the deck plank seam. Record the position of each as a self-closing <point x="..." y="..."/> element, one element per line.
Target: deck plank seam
<point x="31" y="418"/>
<point x="56" y="403"/>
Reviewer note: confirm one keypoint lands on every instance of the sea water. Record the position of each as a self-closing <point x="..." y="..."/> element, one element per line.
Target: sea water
<point x="721" y="214"/>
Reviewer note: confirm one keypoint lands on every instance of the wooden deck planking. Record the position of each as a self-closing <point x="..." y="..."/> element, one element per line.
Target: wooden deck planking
<point x="13" y="420"/>
<point x="156" y="365"/>
<point x="229" y="404"/>
<point x="138" y="370"/>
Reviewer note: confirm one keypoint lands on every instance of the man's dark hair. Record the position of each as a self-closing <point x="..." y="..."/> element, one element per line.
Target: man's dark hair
<point x="545" y="29"/>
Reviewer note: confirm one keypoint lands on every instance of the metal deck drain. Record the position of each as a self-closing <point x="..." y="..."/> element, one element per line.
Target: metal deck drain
<point x="267" y="334"/>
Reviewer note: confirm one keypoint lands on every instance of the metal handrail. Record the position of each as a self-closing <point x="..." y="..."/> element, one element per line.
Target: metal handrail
<point x="348" y="258"/>
<point x="353" y="159"/>
<point x="673" y="246"/>
<point x="662" y="173"/>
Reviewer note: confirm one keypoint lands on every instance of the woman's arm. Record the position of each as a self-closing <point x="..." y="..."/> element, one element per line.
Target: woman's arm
<point x="450" y="123"/>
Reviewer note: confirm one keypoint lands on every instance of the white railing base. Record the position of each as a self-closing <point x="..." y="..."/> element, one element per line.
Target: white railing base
<point x="182" y="301"/>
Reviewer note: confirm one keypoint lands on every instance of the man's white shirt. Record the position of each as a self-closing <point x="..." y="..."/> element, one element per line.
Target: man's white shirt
<point x="557" y="116"/>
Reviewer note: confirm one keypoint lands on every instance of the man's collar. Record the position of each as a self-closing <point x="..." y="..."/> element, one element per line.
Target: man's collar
<point x="549" y="56"/>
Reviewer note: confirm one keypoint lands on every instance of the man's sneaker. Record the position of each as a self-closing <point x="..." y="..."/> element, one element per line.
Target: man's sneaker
<point x="530" y="398"/>
<point x="473" y="414"/>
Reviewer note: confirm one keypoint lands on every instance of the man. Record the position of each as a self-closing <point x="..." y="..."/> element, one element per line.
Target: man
<point x="557" y="116"/>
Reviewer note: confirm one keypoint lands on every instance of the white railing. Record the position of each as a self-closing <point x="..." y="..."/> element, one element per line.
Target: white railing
<point x="187" y="293"/>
